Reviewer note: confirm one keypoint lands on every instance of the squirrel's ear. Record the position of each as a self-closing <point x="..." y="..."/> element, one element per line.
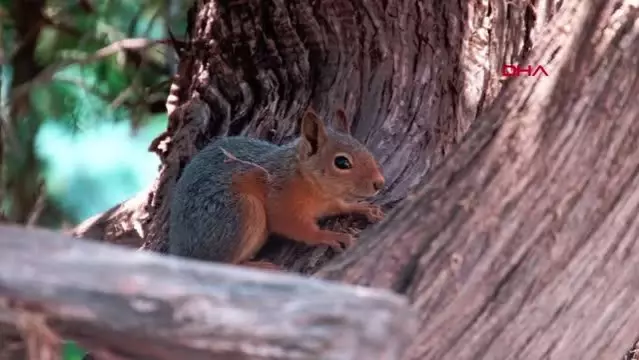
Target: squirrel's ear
<point x="340" y="122"/>
<point x="313" y="133"/>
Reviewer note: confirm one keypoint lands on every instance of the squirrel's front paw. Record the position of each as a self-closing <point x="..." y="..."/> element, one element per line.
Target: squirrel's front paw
<point x="374" y="213"/>
<point x="265" y="265"/>
<point x="338" y="241"/>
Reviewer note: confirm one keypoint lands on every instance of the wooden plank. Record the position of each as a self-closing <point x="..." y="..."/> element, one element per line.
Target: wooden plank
<point x="144" y="305"/>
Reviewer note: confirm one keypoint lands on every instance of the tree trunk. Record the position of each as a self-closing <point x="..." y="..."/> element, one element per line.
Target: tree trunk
<point x="21" y="186"/>
<point x="23" y="182"/>
<point x="412" y="77"/>
<point x="522" y="243"/>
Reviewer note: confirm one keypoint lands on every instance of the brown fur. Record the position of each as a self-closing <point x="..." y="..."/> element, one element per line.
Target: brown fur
<point x="318" y="189"/>
<point x="264" y="265"/>
<point x="251" y="189"/>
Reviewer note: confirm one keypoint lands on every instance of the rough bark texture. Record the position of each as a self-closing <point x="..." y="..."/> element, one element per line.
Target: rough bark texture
<point x="524" y="243"/>
<point x="411" y="75"/>
<point x="139" y="305"/>
<point x="122" y="224"/>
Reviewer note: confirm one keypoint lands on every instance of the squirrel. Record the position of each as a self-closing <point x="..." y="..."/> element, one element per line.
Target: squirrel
<point x="237" y="190"/>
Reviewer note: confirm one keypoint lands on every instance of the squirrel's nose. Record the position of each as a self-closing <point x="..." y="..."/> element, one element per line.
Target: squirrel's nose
<point x="378" y="183"/>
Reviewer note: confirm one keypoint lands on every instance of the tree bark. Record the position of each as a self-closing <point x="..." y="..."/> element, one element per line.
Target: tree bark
<point x="137" y="305"/>
<point x="522" y="243"/>
<point x="21" y="185"/>
<point x="412" y="76"/>
<point x="23" y="182"/>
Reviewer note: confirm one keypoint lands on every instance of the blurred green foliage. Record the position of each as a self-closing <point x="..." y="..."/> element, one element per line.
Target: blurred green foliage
<point x="90" y="122"/>
<point x="70" y="351"/>
<point x="80" y="117"/>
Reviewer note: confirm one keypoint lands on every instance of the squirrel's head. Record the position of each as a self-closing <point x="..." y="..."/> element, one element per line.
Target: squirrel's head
<point x="335" y="160"/>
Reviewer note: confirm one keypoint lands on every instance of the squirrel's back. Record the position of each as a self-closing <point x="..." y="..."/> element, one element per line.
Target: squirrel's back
<point x="203" y="207"/>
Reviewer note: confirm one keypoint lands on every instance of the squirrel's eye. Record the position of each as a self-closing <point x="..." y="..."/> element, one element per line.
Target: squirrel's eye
<point x="341" y="162"/>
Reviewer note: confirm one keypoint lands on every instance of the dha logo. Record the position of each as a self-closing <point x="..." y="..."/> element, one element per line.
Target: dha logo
<point x="516" y="70"/>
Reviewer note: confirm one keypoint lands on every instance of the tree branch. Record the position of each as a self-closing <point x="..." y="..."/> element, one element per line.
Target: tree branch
<point x="140" y="304"/>
<point x="125" y="44"/>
